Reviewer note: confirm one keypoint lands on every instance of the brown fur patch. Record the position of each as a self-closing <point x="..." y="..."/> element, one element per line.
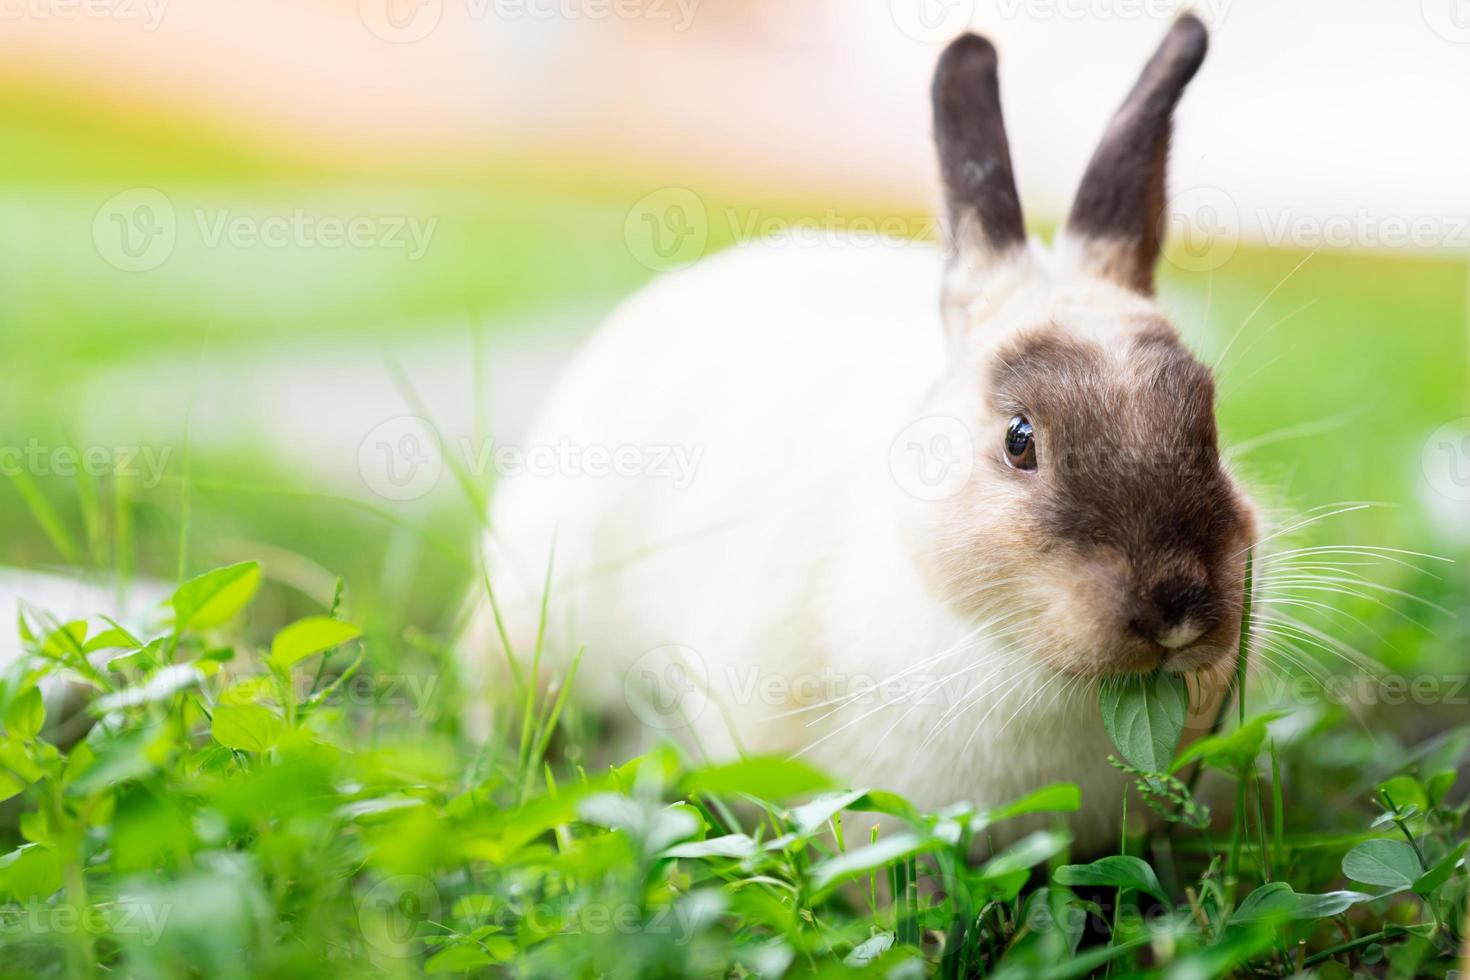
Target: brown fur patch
<point x="1127" y="462"/>
<point x="974" y="154"/>
<point x="1121" y="199"/>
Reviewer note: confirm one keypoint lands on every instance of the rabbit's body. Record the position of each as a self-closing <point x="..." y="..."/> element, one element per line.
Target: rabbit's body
<point x="805" y="505"/>
<point x="781" y="572"/>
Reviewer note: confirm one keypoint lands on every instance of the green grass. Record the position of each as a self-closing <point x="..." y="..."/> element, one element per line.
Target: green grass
<point x="306" y="804"/>
<point x="243" y="812"/>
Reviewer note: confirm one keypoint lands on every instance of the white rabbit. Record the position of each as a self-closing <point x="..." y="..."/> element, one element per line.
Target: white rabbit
<point x="911" y="523"/>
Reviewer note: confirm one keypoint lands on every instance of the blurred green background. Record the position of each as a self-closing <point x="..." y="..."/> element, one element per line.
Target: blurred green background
<point x="258" y="375"/>
<point x="1341" y="366"/>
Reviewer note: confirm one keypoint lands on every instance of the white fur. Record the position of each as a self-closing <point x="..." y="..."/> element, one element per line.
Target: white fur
<point x="790" y="369"/>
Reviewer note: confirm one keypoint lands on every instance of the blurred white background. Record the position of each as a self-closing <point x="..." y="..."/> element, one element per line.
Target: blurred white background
<point x="1348" y="109"/>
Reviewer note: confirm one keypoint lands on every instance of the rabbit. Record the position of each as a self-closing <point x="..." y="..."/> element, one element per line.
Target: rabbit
<point x="799" y="588"/>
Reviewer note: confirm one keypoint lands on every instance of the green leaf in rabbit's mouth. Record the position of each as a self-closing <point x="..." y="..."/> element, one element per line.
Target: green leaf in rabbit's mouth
<point x="1144" y="715"/>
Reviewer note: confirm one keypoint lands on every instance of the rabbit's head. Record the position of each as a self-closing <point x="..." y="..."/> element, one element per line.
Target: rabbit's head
<point x="1098" y="519"/>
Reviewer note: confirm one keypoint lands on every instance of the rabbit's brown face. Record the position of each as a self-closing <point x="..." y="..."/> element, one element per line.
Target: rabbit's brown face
<point x="1098" y="509"/>
<point x="1098" y="517"/>
<point x="1124" y="482"/>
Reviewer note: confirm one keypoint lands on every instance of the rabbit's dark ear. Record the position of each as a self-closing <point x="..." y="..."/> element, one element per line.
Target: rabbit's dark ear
<point x="1120" y="206"/>
<point x="982" y="210"/>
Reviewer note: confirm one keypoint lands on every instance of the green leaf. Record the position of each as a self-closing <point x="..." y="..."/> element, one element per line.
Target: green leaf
<point x="765" y="777"/>
<point x="212" y="598"/>
<point x="16" y="769"/>
<point x="116" y="638"/>
<point x="1122" y="872"/>
<point x="125" y="757"/>
<point x="1234" y="751"/>
<point x="869" y="949"/>
<point x="1430" y="881"/>
<point x="657" y="826"/>
<point x="882" y="801"/>
<point x="1277" y="901"/>
<point x="364" y="810"/>
<point x="1405" y="792"/>
<point x="66" y="641"/>
<point x="15" y="760"/>
<point x="1056" y="798"/>
<point x="499" y="948"/>
<point x="35" y="826"/>
<point x="813" y="816"/>
<point x="248" y="691"/>
<point x="1438" y="786"/>
<point x="310" y="636"/>
<point x="728" y="846"/>
<point x="865" y="860"/>
<point x="1392" y="817"/>
<point x="1144" y="715"/>
<point x="26" y="715"/>
<point x="246" y="726"/>
<point x="1026" y="853"/>
<point x="31" y="872"/>
<point x="1391" y="863"/>
<point x="457" y="959"/>
<point x="164" y="684"/>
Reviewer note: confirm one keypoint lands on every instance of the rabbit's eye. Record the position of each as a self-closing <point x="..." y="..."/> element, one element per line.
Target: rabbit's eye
<point x="1020" y="444"/>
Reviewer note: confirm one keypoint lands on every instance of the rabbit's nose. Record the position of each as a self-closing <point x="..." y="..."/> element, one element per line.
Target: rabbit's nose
<point x="1173" y="614"/>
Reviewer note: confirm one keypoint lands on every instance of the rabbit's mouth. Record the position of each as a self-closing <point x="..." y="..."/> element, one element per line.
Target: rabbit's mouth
<point x="1144" y="658"/>
<point x="1197" y="657"/>
<point x="1091" y="618"/>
